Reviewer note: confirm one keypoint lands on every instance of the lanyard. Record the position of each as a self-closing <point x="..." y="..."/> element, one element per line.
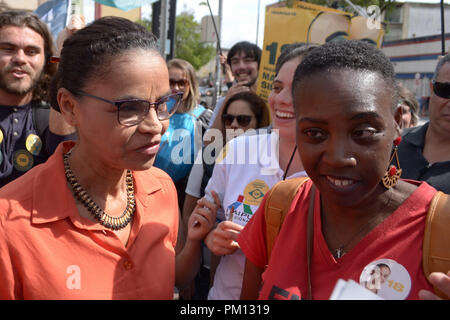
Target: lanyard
<point x="310" y="239"/>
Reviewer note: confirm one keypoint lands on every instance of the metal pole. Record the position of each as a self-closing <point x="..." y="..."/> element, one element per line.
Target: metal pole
<point x="163" y="26"/>
<point x="218" y="80"/>
<point x="442" y="27"/>
<point x="257" y="22"/>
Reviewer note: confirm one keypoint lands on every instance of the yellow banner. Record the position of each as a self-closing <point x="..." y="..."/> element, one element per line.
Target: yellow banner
<point x="308" y="23"/>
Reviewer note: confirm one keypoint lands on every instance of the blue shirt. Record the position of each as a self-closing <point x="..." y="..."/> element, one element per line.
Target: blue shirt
<point x="178" y="146"/>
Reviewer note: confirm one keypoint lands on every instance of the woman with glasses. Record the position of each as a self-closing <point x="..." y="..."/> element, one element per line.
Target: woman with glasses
<point x="181" y="141"/>
<point x="97" y="220"/>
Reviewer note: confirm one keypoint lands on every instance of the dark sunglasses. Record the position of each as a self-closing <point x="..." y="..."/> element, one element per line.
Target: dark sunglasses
<point x="180" y="83"/>
<point x="131" y="112"/>
<point x="242" y="119"/>
<point x="441" y="89"/>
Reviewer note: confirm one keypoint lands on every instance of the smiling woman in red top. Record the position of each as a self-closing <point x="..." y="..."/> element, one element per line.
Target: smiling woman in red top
<point x="367" y="225"/>
<point x="97" y="221"/>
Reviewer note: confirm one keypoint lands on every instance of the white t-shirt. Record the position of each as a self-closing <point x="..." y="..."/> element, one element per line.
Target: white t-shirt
<point x="249" y="169"/>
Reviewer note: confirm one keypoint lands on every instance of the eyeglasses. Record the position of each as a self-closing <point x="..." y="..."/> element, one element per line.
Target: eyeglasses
<point x="441" y="89"/>
<point x="180" y="83"/>
<point x="242" y="119"/>
<point x="131" y="112"/>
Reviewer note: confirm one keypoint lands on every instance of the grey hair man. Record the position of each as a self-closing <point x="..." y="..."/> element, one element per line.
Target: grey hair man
<point x="424" y="153"/>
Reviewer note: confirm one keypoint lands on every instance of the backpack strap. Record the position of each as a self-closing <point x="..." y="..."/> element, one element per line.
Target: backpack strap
<point x="278" y="202"/>
<point x="41" y="114"/>
<point x="436" y="242"/>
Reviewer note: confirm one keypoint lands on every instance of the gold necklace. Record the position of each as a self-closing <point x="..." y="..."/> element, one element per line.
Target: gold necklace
<point x="114" y="223"/>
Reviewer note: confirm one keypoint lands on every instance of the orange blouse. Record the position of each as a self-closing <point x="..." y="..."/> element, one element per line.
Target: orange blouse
<point x="48" y="251"/>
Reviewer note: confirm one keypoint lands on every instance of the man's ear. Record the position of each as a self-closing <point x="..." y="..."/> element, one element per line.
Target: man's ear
<point x="67" y="105"/>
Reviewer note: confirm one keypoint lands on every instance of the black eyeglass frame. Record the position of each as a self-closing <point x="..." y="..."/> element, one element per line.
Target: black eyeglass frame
<point x="242" y="119"/>
<point x="155" y="105"/>
<point x="437" y="87"/>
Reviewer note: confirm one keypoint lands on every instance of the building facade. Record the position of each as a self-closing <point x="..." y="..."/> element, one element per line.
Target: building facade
<point x="414" y="43"/>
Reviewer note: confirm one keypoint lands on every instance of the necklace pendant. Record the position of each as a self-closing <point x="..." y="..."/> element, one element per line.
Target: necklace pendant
<point x="339" y="252"/>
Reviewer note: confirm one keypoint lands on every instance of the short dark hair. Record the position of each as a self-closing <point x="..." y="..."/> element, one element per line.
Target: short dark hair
<point x="251" y="50"/>
<point x="292" y="51"/>
<point x="89" y="51"/>
<point x="25" y="19"/>
<point x="257" y="104"/>
<point x="347" y="54"/>
<point x="445" y="59"/>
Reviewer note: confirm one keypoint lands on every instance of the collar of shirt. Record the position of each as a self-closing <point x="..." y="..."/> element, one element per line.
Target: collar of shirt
<point x="47" y="209"/>
<point x="4" y="109"/>
<point x="416" y="135"/>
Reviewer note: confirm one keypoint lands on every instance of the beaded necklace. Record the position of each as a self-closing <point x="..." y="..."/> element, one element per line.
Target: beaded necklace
<point x="114" y="223"/>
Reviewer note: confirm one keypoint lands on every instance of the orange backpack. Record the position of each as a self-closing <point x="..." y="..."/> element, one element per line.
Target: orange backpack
<point x="436" y="242"/>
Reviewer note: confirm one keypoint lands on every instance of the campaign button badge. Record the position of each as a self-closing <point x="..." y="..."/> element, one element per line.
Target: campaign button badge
<point x="23" y="160"/>
<point x="33" y="144"/>
<point x="254" y="192"/>
<point x="386" y="278"/>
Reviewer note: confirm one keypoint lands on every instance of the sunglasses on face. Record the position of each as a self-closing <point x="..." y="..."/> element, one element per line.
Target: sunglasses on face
<point x="243" y="120"/>
<point x="179" y="83"/>
<point x="131" y="112"/>
<point x="441" y="89"/>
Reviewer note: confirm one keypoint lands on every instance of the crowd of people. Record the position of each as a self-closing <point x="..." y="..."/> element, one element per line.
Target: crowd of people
<point x="115" y="183"/>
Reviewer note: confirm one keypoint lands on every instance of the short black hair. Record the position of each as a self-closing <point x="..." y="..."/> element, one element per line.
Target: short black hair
<point x="347" y="54"/>
<point x="251" y="50"/>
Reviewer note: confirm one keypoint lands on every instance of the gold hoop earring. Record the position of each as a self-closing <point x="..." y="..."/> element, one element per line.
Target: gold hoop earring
<point x="392" y="175"/>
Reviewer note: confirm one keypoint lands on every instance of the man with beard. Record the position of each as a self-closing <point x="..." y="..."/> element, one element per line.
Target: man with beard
<point x="29" y="131"/>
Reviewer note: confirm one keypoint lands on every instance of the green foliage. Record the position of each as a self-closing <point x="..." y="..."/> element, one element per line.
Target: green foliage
<point x="187" y="41"/>
<point x="146" y="23"/>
